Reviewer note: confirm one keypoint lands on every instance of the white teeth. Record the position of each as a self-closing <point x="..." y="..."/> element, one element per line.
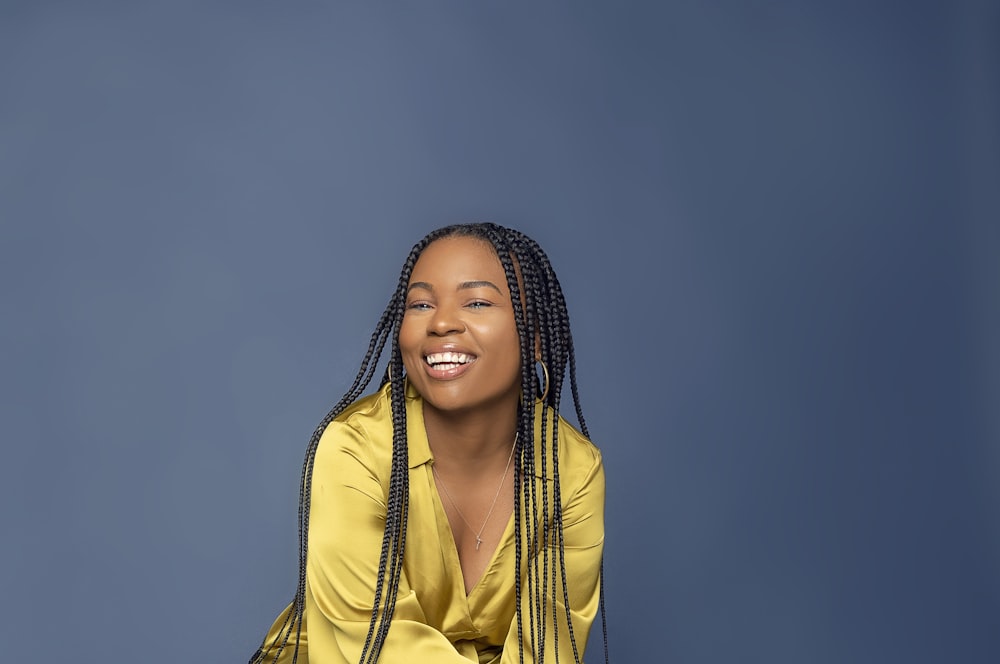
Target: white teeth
<point x="451" y="360"/>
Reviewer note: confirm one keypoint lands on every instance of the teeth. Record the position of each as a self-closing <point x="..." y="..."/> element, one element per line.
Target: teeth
<point x="452" y="360"/>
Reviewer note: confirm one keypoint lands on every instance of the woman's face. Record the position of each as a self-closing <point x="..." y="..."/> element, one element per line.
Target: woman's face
<point x="458" y="339"/>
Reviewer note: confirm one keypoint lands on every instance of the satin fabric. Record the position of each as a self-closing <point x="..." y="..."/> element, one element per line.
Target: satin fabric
<point x="434" y="622"/>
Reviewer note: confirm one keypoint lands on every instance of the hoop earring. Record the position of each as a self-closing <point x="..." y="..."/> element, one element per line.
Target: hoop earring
<point x="545" y="372"/>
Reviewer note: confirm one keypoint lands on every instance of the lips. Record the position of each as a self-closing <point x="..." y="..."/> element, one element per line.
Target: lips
<point x="448" y="360"/>
<point x="448" y="364"/>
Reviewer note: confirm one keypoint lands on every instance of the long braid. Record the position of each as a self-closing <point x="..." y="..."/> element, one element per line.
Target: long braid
<point x="361" y="380"/>
<point x="533" y="290"/>
<point x="526" y="486"/>
<point x="539" y="286"/>
<point x="539" y="497"/>
<point x="561" y="354"/>
<point x="394" y="537"/>
<point x="542" y="312"/>
<point x="386" y="328"/>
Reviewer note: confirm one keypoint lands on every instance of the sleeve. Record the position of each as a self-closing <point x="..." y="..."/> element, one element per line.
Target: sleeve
<point x="346" y="523"/>
<point x="271" y="651"/>
<point x="583" y="538"/>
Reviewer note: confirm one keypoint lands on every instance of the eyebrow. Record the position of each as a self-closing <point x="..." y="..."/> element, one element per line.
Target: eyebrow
<point x="465" y="285"/>
<point x="479" y="284"/>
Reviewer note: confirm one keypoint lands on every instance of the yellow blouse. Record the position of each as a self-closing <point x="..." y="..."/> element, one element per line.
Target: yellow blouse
<point x="434" y="622"/>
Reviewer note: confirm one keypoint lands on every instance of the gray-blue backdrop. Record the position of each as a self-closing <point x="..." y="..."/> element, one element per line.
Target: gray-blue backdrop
<point x="776" y="224"/>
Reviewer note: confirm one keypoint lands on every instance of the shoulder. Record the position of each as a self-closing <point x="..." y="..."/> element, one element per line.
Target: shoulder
<point x="370" y="412"/>
<point x="575" y="445"/>
<point x="579" y="459"/>
<point x="363" y="431"/>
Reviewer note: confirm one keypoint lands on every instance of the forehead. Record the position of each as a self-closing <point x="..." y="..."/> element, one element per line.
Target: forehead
<point x="458" y="259"/>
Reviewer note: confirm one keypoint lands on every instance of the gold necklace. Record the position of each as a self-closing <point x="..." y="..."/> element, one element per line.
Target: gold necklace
<point x="479" y="539"/>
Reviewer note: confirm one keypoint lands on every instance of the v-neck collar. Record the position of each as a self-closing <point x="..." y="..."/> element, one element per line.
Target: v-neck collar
<point x="419" y="452"/>
<point x="450" y="547"/>
<point x="417" y="446"/>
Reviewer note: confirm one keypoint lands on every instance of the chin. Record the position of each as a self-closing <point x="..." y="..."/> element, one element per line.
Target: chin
<point x="463" y="402"/>
<point x="451" y="404"/>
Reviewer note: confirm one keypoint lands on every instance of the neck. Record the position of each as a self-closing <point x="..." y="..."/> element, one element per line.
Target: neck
<point x="471" y="438"/>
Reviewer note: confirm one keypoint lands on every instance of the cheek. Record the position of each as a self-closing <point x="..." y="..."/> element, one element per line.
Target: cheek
<point x="409" y="338"/>
<point x="513" y="352"/>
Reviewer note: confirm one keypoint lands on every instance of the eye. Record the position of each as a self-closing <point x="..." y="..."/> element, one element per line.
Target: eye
<point x="418" y="306"/>
<point x="479" y="304"/>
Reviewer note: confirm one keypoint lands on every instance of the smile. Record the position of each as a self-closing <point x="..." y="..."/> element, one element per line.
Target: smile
<point x="448" y="361"/>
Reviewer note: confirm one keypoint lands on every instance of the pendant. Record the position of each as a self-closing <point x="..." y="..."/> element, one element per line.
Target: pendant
<point x="478" y="542"/>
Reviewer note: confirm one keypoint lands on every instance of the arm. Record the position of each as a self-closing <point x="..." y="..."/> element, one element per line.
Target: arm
<point x="271" y="651"/>
<point x="346" y="522"/>
<point x="583" y="533"/>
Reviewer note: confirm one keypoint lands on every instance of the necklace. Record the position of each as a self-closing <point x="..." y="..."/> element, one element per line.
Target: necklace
<point x="479" y="539"/>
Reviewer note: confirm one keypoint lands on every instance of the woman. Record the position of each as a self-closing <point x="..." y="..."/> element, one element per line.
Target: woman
<point x="453" y="516"/>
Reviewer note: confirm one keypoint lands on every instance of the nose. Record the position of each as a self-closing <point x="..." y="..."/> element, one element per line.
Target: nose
<point x="445" y="321"/>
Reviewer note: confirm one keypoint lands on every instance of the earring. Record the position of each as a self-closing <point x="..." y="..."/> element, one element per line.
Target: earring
<point x="545" y="372"/>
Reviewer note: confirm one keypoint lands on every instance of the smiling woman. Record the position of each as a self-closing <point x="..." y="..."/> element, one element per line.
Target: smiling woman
<point x="459" y="338"/>
<point x="453" y="515"/>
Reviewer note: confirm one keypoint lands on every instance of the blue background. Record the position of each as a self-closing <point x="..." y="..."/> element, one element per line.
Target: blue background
<point x="776" y="224"/>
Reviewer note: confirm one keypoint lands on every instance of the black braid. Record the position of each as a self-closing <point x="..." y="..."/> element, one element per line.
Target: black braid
<point x="534" y="291"/>
<point x="541" y="313"/>
<point x="562" y="354"/>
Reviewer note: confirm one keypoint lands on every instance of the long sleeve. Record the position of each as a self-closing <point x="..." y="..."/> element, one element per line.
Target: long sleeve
<point x="275" y="635"/>
<point x="347" y="519"/>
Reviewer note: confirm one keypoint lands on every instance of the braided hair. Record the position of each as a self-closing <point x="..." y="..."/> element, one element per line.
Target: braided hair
<point x="541" y="317"/>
